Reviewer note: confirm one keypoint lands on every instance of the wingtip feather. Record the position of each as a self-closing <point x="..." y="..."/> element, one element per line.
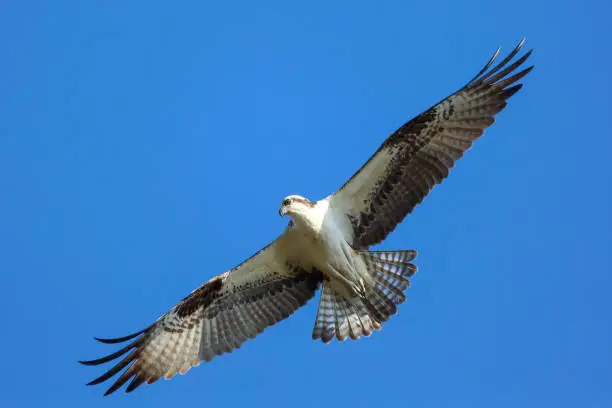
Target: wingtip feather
<point x="121" y="339"/>
<point x="136" y="382"/>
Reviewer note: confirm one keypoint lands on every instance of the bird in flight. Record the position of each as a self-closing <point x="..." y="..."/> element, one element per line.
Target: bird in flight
<point x="325" y="244"/>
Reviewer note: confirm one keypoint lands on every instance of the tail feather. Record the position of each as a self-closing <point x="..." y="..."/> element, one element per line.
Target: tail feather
<point x="343" y="327"/>
<point x="389" y="290"/>
<point x="391" y="271"/>
<point x="341" y="318"/>
<point x="380" y="306"/>
<point x="325" y="324"/>
<point x="348" y="317"/>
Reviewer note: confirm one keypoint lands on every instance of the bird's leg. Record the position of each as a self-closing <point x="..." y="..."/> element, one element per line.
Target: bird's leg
<point x="347" y="287"/>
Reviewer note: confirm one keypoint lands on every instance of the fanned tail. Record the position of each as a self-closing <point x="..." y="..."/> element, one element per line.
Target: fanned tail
<point x="342" y="318"/>
<point x="391" y="271"/>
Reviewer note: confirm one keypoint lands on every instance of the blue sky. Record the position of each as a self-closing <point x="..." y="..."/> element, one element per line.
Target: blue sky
<point x="145" y="147"/>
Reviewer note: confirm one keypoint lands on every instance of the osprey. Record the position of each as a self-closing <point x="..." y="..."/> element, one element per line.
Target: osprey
<point x="325" y="244"/>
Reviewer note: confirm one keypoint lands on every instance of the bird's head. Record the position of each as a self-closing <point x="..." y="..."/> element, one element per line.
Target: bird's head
<point x="294" y="205"/>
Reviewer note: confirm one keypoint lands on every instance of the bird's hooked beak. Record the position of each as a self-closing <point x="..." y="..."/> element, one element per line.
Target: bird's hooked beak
<point x="282" y="211"/>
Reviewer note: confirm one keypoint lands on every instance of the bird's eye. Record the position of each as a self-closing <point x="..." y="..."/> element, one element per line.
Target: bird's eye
<point x="287" y="201"/>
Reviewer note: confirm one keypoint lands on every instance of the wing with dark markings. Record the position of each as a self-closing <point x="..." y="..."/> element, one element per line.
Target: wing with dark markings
<point x="214" y="319"/>
<point x="420" y="154"/>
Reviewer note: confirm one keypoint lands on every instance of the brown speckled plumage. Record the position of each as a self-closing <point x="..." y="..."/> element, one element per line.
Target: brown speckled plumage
<point x="214" y="319"/>
<point x="420" y="154"/>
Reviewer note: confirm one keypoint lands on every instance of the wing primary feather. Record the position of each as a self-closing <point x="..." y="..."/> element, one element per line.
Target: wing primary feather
<point x="514" y="78"/>
<point x="484" y="69"/>
<point x="121" y="365"/>
<point x="511" y="91"/>
<point x="109" y="357"/>
<point x="135" y="383"/>
<point x="501" y="64"/>
<point x="121" y="339"/>
<point x="129" y="373"/>
<point x="491" y="79"/>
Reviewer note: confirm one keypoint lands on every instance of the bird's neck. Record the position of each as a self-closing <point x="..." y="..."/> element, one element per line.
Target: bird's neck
<point x="308" y="220"/>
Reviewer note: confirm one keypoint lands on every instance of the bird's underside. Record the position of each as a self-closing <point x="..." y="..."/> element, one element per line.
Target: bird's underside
<point x="361" y="289"/>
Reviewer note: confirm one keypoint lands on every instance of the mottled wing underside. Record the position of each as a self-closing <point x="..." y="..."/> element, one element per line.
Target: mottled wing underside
<point x="420" y="154"/>
<point x="214" y="319"/>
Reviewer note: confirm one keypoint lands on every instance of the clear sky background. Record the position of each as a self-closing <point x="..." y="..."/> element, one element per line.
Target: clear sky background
<point x="146" y="147"/>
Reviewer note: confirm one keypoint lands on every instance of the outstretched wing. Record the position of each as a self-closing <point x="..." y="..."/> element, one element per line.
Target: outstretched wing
<point x="420" y="154"/>
<point x="214" y="319"/>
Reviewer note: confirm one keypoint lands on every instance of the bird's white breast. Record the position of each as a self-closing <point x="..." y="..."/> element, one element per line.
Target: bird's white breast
<point x="325" y="242"/>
